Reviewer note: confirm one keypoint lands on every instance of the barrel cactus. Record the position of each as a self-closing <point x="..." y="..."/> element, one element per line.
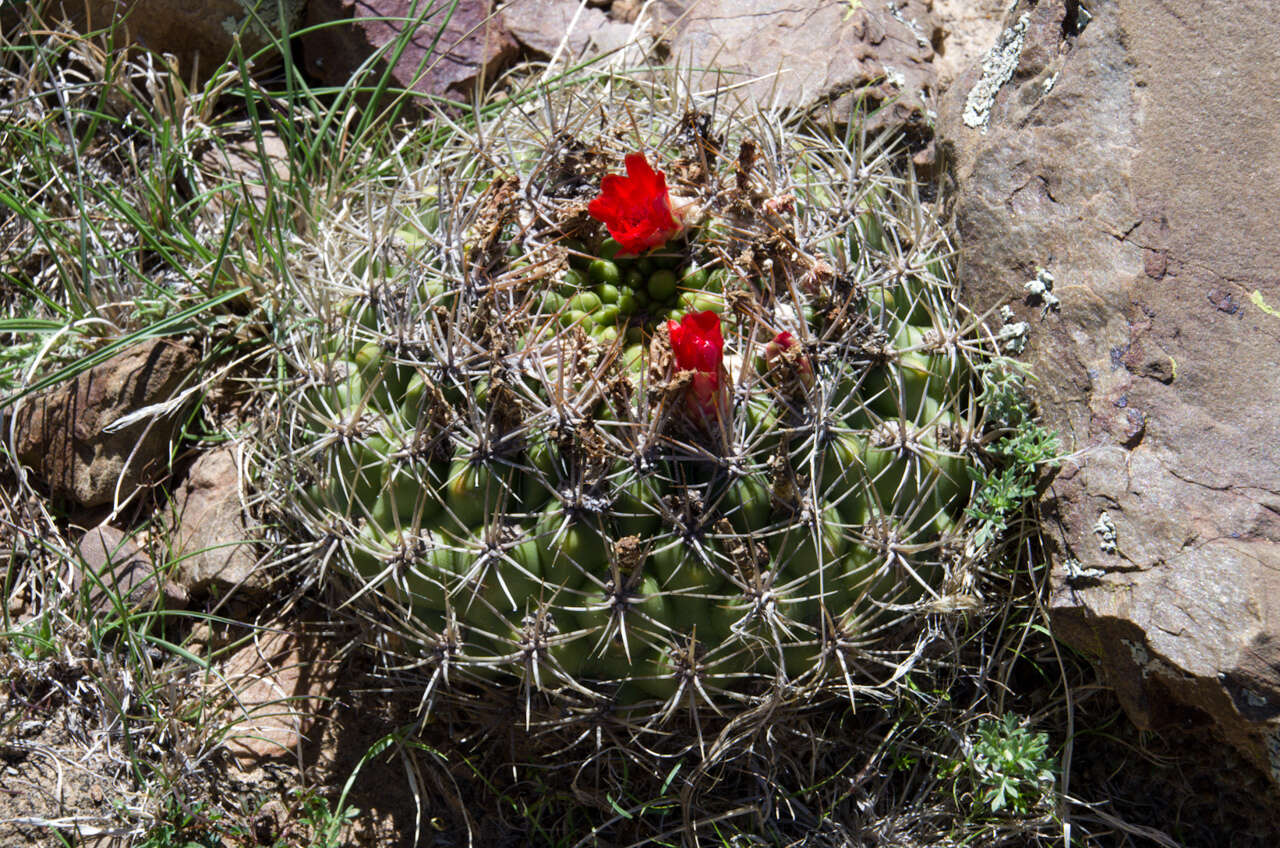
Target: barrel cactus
<point x="699" y="434"/>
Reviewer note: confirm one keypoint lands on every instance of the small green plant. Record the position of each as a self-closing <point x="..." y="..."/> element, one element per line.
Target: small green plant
<point x="325" y="823"/>
<point x="184" y="826"/>
<point x="1005" y="767"/>
<point x="34" y="641"/>
<point x="197" y="824"/>
<point x="1022" y="444"/>
<point x="1001" y="493"/>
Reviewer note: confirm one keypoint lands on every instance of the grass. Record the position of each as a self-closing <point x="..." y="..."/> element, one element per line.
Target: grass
<point x="312" y="823"/>
<point x="121" y="220"/>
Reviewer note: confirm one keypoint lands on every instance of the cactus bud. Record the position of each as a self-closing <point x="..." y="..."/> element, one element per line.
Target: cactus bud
<point x="698" y="347"/>
<point x="784" y="353"/>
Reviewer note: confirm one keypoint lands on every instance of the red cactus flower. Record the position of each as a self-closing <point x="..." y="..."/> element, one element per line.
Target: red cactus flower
<point x="636" y="208"/>
<point x="698" y="346"/>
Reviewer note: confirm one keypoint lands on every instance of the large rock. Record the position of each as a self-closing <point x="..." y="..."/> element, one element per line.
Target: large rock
<point x="202" y="34"/>
<point x="76" y="436"/>
<point x="453" y="45"/>
<point x="803" y="53"/>
<point x="1132" y="154"/>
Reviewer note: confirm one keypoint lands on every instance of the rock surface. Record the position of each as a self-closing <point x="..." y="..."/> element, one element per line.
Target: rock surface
<point x="473" y="43"/>
<point x="1132" y="154"/>
<point x="542" y="26"/>
<point x="801" y="53"/>
<point x="202" y="34"/>
<point x="63" y="435"/>
<point x="280" y="682"/>
<point x="212" y="547"/>
<point x="116" y="569"/>
<point x="967" y="28"/>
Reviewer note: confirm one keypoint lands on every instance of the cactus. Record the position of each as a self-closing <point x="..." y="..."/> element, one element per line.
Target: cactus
<point x="725" y="454"/>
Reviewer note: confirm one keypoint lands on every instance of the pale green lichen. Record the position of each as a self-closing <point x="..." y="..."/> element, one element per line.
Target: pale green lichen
<point x="998" y="65"/>
<point x="1076" y="572"/>
<point x="1253" y="699"/>
<point x="1012" y="336"/>
<point x="1040" y="290"/>
<point x="1138" y="653"/>
<point x="1105" y="530"/>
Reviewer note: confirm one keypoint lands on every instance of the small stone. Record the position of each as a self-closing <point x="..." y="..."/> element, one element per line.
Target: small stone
<point x="626" y="11"/>
<point x="280" y="683"/>
<point x="212" y="546"/>
<point x="243" y="162"/>
<point x="114" y="570"/>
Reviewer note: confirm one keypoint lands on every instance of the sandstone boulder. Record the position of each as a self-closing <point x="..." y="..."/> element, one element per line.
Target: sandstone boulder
<point x="1129" y="149"/>
<point x="564" y="28"/>
<point x="451" y="47"/>
<point x="92" y="438"/>
<point x="803" y="53"/>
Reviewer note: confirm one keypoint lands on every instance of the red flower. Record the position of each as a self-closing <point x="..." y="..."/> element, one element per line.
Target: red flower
<point x="698" y="346"/>
<point x="636" y="208"/>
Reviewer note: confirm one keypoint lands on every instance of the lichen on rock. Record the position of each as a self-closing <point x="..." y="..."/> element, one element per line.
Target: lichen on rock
<point x="997" y="69"/>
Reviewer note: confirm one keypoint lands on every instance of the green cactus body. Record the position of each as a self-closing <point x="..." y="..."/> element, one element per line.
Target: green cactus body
<point x="475" y="489"/>
<point x="338" y="385"/>
<point x="569" y="548"/>
<point x="747" y="502"/>
<point x="508" y="441"/>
